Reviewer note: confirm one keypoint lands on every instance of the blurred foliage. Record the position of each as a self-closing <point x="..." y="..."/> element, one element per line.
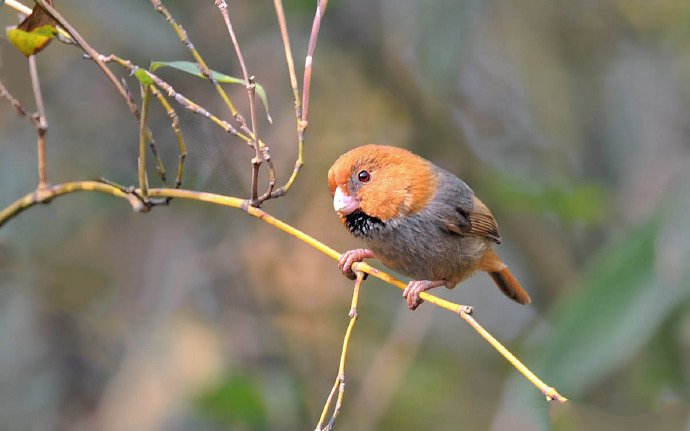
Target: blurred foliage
<point x="585" y="203"/>
<point x="234" y="401"/>
<point x="569" y="119"/>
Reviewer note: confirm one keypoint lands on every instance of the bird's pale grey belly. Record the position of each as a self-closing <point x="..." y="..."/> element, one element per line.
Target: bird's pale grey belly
<point x="424" y="250"/>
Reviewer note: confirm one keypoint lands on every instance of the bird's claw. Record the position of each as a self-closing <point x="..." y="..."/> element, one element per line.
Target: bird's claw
<point x="351" y="257"/>
<point x="415" y="288"/>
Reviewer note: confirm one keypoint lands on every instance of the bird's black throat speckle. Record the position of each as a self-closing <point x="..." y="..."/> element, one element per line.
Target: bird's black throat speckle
<point x="361" y="224"/>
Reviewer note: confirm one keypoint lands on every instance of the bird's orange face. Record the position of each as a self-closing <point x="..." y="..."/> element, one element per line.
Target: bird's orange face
<point x="382" y="181"/>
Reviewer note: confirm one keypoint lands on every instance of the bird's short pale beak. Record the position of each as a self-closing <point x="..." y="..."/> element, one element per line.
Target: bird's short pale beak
<point x="344" y="203"/>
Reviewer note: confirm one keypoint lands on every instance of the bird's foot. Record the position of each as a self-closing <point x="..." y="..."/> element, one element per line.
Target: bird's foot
<point x="351" y="257"/>
<point x="415" y="287"/>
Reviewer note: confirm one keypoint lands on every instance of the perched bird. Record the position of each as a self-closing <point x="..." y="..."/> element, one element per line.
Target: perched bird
<point x="417" y="219"/>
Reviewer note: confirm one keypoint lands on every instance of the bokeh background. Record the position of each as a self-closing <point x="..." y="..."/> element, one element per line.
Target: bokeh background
<point x="569" y="119"/>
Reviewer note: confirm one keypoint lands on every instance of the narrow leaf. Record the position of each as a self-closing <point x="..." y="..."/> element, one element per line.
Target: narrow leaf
<point x="193" y="69"/>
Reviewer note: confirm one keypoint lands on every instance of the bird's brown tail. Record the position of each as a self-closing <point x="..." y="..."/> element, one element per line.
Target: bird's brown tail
<point x="510" y="286"/>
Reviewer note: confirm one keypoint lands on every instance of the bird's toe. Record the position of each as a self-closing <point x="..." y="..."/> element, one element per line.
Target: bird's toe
<point x="411" y="294"/>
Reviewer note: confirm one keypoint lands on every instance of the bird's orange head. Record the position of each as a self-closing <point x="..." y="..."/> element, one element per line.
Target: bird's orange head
<point x="382" y="181"/>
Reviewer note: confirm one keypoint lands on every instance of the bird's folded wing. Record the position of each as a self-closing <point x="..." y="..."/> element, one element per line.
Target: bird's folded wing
<point x="475" y="220"/>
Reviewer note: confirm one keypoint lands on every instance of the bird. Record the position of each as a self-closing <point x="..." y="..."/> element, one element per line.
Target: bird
<point x="417" y="219"/>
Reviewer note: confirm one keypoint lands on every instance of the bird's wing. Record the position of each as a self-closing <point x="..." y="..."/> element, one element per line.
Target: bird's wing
<point x="473" y="219"/>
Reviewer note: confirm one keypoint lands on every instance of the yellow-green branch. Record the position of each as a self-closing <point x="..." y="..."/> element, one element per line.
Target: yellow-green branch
<point x="46" y="195"/>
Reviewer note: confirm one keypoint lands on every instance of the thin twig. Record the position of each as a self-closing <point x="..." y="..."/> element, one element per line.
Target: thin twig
<point x="464" y="311"/>
<point x="160" y="168"/>
<point x="143" y="181"/>
<point x="197" y="109"/>
<point x="285" y="36"/>
<point x="175" y="125"/>
<point x="340" y="379"/>
<point x="178" y="97"/>
<point x="303" y="120"/>
<point x="16" y="104"/>
<point x="251" y="95"/>
<point x="186" y="41"/>
<point x="262" y="152"/>
<point x="18" y="7"/>
<point x="206" y="72"/>
<point x="308" y="61"/>
<point x="41" y="122"/>
<point x="93" y="54"/>
<point x="280" y="14"/>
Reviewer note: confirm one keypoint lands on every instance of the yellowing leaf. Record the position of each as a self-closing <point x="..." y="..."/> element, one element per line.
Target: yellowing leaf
<point x="31" y="42"/>
<point x="34" y="33"/>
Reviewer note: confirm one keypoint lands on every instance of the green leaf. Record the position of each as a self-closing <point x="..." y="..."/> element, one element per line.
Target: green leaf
<point x="193" y="69"/>
<point x="143" y="77"/>
<point x="31" y="42"/>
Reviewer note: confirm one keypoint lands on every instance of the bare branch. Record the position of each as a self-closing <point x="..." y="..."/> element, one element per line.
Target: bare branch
<point x="175" y="125"/>
<point x="303" y="120"/>
<point x="179" y="98"/>
<point x="280" y="14"/>
<point x="308" y="61"/>
<point x="251" y="95"/>
<point x="5" y="94"/>
<point x="41" y="122"/>
<point x="203" y="67"/>
<point x="18" y="7"/>
<point x="93" y="54"/>
<point x="143" y="181"/>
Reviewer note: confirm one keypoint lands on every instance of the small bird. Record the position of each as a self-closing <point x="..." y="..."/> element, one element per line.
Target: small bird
<point x="417" y="219"/>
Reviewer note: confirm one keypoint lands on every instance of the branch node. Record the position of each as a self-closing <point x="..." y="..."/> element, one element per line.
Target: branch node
<point x="43" y="194"/>
<point x="466" y="309"/>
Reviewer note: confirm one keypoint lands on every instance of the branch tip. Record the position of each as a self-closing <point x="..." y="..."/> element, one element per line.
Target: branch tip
<point x="466" y="309"/>
<point x="552" y="394"/>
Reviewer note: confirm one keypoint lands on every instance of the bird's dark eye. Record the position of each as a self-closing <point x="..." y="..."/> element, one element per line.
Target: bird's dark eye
<point x="364" y="176"/>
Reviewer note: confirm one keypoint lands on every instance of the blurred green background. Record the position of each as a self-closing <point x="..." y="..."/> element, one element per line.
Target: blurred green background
<point x="569" y="119"/>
